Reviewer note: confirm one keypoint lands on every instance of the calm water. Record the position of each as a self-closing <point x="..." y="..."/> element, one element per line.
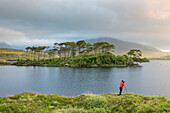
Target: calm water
<point x="150" y="79"/>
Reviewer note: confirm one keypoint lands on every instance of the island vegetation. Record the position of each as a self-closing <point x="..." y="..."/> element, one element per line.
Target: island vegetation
<point x="85" y="103"/>
<point x="80" y="54"/>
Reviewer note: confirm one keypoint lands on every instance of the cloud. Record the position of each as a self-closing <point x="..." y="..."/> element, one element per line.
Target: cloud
<point x="31" y="42"/>
<point x="18" y="38"/>
<point x="8" y="34"/>
<point x="158" y="9"/>
<point x="144" y="21"/>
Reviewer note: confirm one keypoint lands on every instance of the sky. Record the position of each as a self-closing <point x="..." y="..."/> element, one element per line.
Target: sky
<point x="43" y="22"/>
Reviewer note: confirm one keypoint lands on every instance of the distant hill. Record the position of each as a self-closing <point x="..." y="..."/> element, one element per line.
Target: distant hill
<point x="4" y="45"/>
<point x="14" y="54"/>
<point x="122" y="47"/>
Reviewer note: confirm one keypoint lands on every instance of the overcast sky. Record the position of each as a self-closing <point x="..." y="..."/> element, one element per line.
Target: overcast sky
<point x="43" y="22"/>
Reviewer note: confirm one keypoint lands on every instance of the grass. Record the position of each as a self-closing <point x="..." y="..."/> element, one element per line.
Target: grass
<point x="10" y="54"/>
<point x="2" y="60"/>
<point x="15" y="54"/>
<point x="105" y="103"/>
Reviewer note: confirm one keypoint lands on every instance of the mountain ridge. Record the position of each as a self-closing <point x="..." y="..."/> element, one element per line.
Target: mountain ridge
<point x="122" y="47"/>
<point x="4" y="45"/>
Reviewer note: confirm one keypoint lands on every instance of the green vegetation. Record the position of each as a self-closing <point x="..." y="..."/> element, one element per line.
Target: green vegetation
<point x="81" y="54"/>
<point x="91" y="60"/>
<point x="105" y="103"/>
<point x="135" y="54"/>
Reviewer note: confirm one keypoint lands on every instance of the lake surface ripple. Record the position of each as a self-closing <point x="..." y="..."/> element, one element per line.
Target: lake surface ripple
<point x="149" y="79"/>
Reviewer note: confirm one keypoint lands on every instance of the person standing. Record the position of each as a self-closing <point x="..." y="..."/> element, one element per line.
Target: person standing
<point x="122" y="83"/>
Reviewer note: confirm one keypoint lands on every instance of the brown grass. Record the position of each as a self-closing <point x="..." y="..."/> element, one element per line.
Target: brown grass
<point x="14" y="54"/>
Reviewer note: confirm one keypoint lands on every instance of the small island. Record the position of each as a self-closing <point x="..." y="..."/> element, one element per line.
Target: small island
<point x="80" y="54"/>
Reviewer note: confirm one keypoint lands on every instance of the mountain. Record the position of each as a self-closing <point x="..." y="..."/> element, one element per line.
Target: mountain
<point x="4" y="45"/>
<point x="122" y="47"/>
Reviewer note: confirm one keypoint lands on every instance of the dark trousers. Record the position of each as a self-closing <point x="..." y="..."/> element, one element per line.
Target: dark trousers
<point x="120" y="91"/>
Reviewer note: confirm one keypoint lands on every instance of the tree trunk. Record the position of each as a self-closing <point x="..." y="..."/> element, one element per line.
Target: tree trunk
<point x="31" y="55"/>
<point x="69" y="53"/>
<point x="34" y="55"/>
<point x="38" y="56"/>
<point x="65" y="53"/>
<point x="44" y="56"/>
<point x="78" y="50"/>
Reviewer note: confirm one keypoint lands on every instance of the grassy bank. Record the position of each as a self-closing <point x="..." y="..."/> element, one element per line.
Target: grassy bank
<point x="106" y="103"/>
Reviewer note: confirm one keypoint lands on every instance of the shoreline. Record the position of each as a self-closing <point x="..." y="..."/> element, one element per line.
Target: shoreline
<point x="71" y="65"/>
<point x="79" y="66"/>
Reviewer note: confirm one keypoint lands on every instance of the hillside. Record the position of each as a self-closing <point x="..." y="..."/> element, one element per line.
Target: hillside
<point x="122" y="47"/>
<point x="11" y="54"/>
<point x="14" y="54"/>
<point x="4" y="45"/>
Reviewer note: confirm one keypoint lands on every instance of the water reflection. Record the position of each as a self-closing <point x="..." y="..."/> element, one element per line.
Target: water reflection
<point x="150" y="79"/>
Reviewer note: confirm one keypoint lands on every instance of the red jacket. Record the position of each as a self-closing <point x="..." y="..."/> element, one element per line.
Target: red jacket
<point x="122" y="84"/>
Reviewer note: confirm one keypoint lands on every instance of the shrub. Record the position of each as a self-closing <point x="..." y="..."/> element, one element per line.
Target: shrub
<point x="100" y="110"/>
<point x="73" y="110"/>
<point x="95" y="102"/>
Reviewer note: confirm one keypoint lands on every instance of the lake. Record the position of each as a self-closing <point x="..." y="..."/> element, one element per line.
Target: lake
<point x="149" y="79"/>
